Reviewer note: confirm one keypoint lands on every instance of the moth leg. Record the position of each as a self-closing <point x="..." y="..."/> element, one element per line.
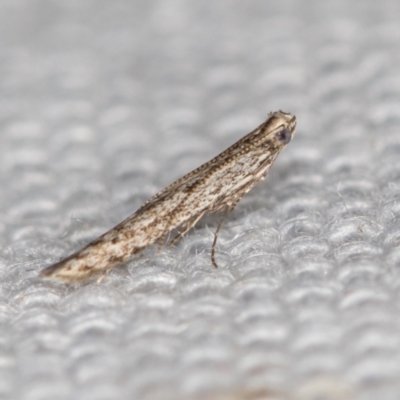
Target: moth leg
<point x="102" y="275"/>
<point x="161" y="242"/>
<point x="227" y="209"/>
<point x="188" y="227"/>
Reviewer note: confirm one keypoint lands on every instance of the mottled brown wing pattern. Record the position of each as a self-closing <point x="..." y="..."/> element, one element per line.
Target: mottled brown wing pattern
<point x="217" y="185"/>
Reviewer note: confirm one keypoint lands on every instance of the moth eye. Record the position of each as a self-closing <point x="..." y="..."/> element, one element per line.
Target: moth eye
<point x="284" y="136"/>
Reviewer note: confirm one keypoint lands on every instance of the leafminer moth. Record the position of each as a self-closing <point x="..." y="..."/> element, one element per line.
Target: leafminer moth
<point x="217" y="185"/>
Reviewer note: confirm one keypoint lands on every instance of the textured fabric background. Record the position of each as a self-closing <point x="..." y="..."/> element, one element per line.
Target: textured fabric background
<point x="102" y="103"/>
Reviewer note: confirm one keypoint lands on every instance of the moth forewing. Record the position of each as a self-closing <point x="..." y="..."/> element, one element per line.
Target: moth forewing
<point x="216" y="185"/>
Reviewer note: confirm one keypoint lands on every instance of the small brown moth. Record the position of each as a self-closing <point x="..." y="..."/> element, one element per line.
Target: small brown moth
<point x="217" y="185"/>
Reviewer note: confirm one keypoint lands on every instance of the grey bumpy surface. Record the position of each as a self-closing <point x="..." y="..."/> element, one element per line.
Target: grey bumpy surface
<point x="103" y="103"/>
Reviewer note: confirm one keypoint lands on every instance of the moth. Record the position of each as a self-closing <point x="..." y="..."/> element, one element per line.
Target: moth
<point x="217" y="185"/>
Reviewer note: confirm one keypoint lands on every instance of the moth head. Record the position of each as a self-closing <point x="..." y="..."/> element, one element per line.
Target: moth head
<point x="281" y="127"/>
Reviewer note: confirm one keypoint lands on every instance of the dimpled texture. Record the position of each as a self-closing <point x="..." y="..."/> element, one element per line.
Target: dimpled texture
<point x="103" y="103"/>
